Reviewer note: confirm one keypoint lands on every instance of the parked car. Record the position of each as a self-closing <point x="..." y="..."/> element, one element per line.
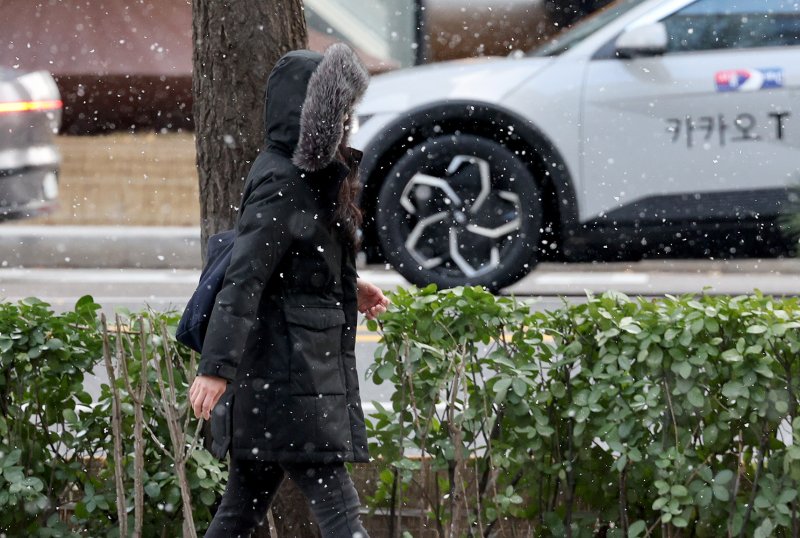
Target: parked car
<point x="651" y="127"/>
<point x="30" y="111"/>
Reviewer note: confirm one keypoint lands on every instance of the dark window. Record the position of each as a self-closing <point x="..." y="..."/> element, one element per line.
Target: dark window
<point x="734" y="24"/>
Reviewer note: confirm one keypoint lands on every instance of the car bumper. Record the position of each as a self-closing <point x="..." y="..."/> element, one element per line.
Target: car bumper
<point x="28" y="192"/>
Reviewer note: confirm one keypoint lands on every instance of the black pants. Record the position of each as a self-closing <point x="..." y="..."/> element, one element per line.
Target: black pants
<point x="252" y="486"/>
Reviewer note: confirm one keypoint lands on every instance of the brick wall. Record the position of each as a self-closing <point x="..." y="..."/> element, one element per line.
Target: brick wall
<point x="123" y="179"/>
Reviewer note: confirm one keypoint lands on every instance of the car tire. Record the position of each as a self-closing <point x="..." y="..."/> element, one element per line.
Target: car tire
<point x="460" y="210"/>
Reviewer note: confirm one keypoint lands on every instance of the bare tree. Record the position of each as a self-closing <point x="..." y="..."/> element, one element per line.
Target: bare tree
<point x="235" y="46"/>
<point x="165" y="397"/>
<point x="116" y="428"/>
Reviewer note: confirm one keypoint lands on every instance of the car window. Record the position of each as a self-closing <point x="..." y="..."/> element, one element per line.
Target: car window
<point x="734" y="24"/>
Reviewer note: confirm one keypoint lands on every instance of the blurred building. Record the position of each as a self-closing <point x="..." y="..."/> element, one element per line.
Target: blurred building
<point x="123" y="65"/>
<point x="465" y="28"/>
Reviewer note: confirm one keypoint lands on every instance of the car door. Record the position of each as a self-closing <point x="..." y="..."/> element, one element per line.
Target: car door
<point x="706" y="131"/>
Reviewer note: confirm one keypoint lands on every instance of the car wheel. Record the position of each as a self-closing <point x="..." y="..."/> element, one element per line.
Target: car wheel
<point x="460" y="210"/>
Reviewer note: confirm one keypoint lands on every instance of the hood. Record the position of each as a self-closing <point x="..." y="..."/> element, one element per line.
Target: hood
<point x="308" y="96"/>
<point x="482" y="79"/>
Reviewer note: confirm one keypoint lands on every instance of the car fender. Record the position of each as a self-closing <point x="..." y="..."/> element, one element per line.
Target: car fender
<point x="474" y="117"/>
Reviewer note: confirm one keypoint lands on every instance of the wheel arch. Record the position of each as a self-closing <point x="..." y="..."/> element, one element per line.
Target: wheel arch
<point x="482" y="119"/>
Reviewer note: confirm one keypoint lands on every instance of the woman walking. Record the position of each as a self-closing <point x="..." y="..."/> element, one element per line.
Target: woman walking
<point x="277" y="377"/>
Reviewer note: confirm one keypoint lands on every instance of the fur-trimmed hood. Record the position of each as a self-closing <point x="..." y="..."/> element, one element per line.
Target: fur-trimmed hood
<point x="308" y="96"/>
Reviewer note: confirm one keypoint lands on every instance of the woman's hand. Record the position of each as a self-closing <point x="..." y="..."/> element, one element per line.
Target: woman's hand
<point x="371" y="300"/>
<point x="205" y="393"/>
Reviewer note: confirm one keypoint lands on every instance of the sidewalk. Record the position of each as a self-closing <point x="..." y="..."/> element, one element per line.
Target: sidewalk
<point x="152" y="247"/>
<point x="78" y="247"/>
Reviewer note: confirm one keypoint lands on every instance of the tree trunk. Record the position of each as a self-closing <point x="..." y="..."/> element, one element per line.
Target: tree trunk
<point x="235" y="46"/>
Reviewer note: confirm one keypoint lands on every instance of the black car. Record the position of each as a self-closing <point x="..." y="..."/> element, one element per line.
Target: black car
<point x="30" y="114"/>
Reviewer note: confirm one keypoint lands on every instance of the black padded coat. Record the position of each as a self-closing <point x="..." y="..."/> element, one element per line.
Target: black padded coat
<point x="283" y="329"/>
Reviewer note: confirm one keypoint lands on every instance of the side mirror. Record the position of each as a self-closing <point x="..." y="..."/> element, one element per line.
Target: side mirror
<point x="647" y="40"/>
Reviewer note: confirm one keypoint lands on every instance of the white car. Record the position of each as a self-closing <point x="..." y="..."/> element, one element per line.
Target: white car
<point x="653" y="127"/>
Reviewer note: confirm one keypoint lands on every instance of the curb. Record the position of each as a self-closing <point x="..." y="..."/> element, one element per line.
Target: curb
<point x="100" y="247"/>
<point x="172" y="247"/>
<point x="750" y="266"/>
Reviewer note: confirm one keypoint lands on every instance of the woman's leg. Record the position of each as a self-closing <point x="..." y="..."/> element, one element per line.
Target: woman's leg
<point x="251" y="488"/>
<point x="333" y="498"/>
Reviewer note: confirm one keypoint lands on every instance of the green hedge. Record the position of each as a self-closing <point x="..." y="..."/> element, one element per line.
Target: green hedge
<point x="56" y="447"/>
<point x="616" y="417"/>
